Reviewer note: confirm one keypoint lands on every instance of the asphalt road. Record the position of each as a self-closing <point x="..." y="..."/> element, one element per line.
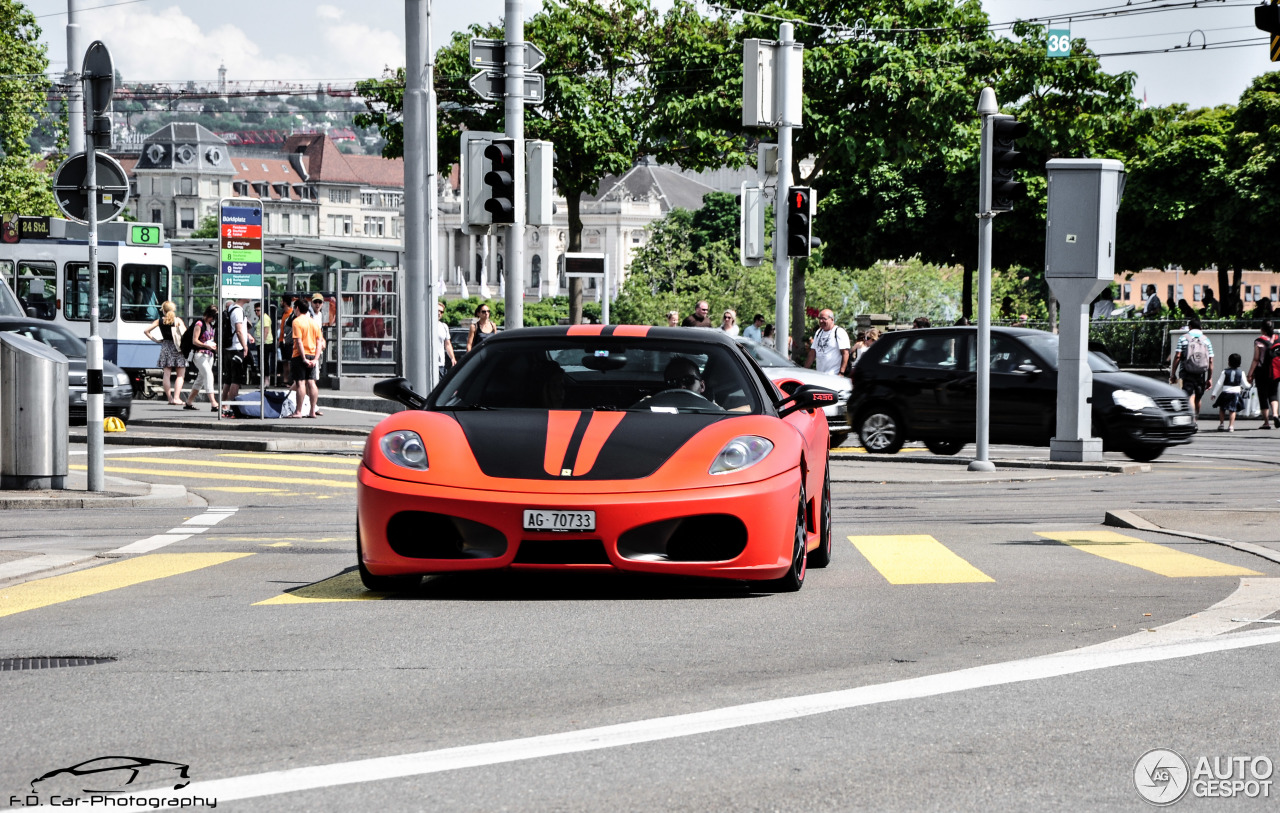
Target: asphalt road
<point x="909" y="675"/>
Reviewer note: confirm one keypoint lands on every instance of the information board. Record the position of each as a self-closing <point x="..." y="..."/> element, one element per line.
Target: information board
<point x="240" y="248"/>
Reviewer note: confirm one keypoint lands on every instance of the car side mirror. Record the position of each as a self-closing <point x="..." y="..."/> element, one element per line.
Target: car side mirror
<point x="398" y="390"/>
<point x="1027" y="368"/>
<point x="807" y="397"/>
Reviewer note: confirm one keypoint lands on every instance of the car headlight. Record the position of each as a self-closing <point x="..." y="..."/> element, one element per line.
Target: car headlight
<point x="405" y="448"/>
<point x="741" y="453"/>
<point x="122" y="380"/>
<point x="1135" y="401"/>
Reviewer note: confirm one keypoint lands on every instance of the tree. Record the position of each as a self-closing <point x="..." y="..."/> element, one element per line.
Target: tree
<point x="1247" y="217"/>
<point x="207" y="230"/>
<point x="23" y="187"/>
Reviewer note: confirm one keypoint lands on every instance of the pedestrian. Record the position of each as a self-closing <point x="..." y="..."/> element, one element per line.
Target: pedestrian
<point x="482" y="328"/>
<point x="1211" y="307"/>
<point x="171" y="328"/>
<point x="1152" y="309"/>
<point x="443" y="347"/>
<point x="1228" y="394"/>
<point x="753" y="331"/>
<point x="1262" y="372"/>
<point x="673" y="318"/>
<point x="288" y="307"/>
<point x="829" y="349"/>
<point x="699" y="317"/>
<point x="308" y="347"/>
<point x="203" y="347"/>
<point x="1194" y="360"/>
<point x="1103" y="305"/>
<point x="372" y="328"/>
<point x="729" y="322"/>
<point x="767" y="337"/>
<point x="921" y="321"/>
<point x="263" y="337"/>
<point x="235" y="351"/>
<point x="1262" y="308"/>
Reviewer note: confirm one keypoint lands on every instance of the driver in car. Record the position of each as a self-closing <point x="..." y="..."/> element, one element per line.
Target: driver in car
<point x="682" y="374"/>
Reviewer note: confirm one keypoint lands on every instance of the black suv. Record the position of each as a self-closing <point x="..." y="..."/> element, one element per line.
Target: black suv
<point x="922" y="385"/>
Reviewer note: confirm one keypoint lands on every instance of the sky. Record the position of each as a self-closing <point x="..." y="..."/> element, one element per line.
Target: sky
<point x="341" y="41"/>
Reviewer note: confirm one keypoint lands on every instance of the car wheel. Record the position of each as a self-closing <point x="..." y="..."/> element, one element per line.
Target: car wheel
<point x="944" y="447"/>
<point x="794" y="578"/>
<point x="1143" y="452"/>
<point x="881" y="430"/>
<point x="821" y="555"/>
<point x="838" y="439"/>
<point x="382" y="584"/>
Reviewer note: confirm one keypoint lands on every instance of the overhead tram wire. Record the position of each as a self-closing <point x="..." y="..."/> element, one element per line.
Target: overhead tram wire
<point x="90" y="8"/>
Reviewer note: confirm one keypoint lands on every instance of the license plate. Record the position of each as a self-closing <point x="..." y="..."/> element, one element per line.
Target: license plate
<point x="1181" y="420"/>
<point x="536" y="520"/>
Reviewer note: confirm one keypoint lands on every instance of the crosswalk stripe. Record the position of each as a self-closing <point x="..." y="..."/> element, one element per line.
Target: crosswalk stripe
<point x="213" y="475"/>
<point x="1158" y="559"/>
<point x="346" y="587"/>
<point x="217" y="464"/>
<point x="69" y="586"/>
<point x="916" y="559"/>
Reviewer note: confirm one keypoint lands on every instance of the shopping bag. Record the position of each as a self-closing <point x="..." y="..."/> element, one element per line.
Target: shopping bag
<point x="1252" y="408"/>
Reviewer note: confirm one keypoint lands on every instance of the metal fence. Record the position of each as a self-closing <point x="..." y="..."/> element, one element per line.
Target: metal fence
<point x="1140" y="343"/>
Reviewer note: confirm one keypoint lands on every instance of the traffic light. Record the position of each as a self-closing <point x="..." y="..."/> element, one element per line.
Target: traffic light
<point x="799" y="221"/>
<point x="1267" y="18"/>
<point x="501" y="180"/>
<point x="1005" y="160"/>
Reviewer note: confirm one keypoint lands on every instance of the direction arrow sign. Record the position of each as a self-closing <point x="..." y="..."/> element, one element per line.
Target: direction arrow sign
<point x="493" y="54"/>
<point x="491" y="86"/>
<point x="73" y="199"/>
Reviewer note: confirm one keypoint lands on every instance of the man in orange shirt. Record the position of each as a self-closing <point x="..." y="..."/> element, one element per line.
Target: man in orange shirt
<point x="308" y="345"/>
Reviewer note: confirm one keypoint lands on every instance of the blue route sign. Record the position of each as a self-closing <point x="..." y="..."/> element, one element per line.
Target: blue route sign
<point x="240" y="248"/>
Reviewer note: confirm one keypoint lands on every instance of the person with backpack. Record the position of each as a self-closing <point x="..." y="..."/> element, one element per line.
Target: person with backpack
<point x="203" y="347"/>
<point x="235" y="350"/>
<point x="1228" y="394"/>
<point x="172" y="359"/>
<point x="1195" y="356"/>
<point x="1264" y="372"/>
<point x="288" y="308"/>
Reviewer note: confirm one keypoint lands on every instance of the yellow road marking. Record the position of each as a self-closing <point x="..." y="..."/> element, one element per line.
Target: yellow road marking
<point x="246" y="490"/>
<point x="1158" y="559"/>
<point x="213" y="475"/>
<point x="251" y="466"/>
<point x="916" y="559"/>
<point x="57" y="589"/>
<point x="861" y="450"/>
<point x="279" y="545"/>
<point x="314" y="458"/>
<point x="346" y="587"/>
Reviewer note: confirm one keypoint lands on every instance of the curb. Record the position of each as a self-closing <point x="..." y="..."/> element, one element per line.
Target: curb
<point x="1128" y="519"/>
<point x="157" y="496"/>
<point x="348" y="444"/>
<point x="253" y="425"/>
<point x="1110" y="468"/>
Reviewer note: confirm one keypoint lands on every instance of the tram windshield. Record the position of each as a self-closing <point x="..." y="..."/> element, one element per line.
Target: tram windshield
<point x="142" y="289"/>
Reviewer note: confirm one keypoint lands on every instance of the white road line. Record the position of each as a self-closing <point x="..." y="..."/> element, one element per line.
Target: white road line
<point x="196" y="525"/>
<point x="685" y="725"/>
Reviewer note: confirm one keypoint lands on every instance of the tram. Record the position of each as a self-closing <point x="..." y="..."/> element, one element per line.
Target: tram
<point x="45" y="262"/>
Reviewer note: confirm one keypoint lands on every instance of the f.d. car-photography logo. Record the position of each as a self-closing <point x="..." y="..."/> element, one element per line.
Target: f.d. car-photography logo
<point x="114" y="781"/>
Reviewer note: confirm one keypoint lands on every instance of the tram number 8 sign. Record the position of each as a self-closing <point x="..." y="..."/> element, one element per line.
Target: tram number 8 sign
<point x="145" y="234"/>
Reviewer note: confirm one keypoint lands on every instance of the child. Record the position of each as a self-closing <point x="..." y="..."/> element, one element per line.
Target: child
<point x="1230" y="389"/>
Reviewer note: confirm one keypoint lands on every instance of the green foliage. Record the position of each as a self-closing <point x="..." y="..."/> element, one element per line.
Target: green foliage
<point x="208" y="228"/>
<point x="23" y="62"/>
<point x="903" y="290"/>
<point x="550" y="311"/>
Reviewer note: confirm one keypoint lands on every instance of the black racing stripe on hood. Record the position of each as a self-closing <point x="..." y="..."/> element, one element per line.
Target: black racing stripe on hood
<point x="511" y="443"/>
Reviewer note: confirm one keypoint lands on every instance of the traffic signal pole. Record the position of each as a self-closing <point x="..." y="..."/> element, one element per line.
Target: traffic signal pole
<point x="513" y="127"/>
<point x="782" y="262"/>
<point x="417" y="239"/>
<point x="987" y="109"/>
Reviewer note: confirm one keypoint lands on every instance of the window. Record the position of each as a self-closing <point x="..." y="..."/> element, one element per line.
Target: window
<point x="37" y="288"/>
<point x="215" y="186"/>
<point x="188" y="187"/>
<point x="375" y="226"/>
<point x="153" y="185"/>
<point x="285" y="224"/>
<point x="1274" y="291"/>
<point x="142" y="289"/>
<point x="1170" y="296"/>
<point x="935" y="351"/>
<point x="1179" y="292"/>
<point x="340" y="225"/>
<point x="368" y="198"/>
<point x="339" y="195"/>
<point x="75" y="301"/>
<point x="187" y="218"/>
<point x="1195" y="293"/>
<point x="306" y="225"/>
<point x="266" y="221"/>
<point x="156" y="215"/>
<point x="1128" y="291"/>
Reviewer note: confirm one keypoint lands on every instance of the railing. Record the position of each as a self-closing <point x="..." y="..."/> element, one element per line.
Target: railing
<point x="1141" y="343"/>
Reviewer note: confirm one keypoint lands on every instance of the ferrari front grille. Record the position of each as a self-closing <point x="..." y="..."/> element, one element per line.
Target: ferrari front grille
<point x="424" y="535"/>
<point x="702" y="538"/>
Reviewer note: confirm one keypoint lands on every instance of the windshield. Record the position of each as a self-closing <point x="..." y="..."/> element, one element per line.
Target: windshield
<point x="602" y="373"/>
<point x="764" y="355"/>
<point x="1045" y="346"/>
<point x="59" y="338"/>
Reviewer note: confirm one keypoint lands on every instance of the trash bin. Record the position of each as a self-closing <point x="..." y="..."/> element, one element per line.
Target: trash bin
<point x="33" y="414"/>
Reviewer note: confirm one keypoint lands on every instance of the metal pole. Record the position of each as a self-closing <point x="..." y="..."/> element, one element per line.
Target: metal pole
<point x="417" y="353"/>
<point x="987" y="108"/>
<point x="431" y="248"/>
<point x="75" y="94"/>
<point x="93" y="362"/>
<point x="513" y="127"/>
<point x="781" y="262"/>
